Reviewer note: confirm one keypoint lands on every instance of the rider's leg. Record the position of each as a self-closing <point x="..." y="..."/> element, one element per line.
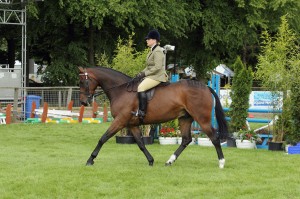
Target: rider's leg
<point x="142" y="104"/>
<point x="145" y="85"/>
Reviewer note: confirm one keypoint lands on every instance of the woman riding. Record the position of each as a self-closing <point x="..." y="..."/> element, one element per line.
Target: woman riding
<point x="153" y="74"/>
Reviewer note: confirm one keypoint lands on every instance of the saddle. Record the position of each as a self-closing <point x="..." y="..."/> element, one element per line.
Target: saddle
<point x="151" y="91"/>
<point x="132" y="87"/>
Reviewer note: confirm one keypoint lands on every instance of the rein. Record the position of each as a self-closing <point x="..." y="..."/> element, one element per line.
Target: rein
<point x="129" y="87"/>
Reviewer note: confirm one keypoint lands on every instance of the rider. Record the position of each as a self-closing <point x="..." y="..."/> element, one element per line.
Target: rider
<point x="153" y="74"/>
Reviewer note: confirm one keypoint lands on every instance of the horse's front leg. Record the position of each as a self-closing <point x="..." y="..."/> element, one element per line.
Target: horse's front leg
<point x="111" y="131"/>
<point x="185" y="128"/>
<point x="136" y="132"/>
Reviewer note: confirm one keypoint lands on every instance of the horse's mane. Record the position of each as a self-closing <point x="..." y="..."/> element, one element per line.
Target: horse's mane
<point x="194" y="83"/>
<point x="115" y="72"/>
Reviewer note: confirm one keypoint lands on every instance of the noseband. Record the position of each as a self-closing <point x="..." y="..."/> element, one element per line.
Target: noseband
<point x="86" y="85"/>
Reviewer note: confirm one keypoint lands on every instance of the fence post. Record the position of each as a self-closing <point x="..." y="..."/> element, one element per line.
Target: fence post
<point x="69" y="97"/>
<point x="15" y="108"/>
<point x="24" y="103"/>
<point x="59" y="99"/>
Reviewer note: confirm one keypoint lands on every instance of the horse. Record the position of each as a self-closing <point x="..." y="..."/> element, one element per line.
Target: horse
<point x="187" y="100"/>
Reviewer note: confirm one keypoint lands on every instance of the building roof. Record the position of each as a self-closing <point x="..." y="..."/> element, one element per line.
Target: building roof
<point x="224" y="70"/>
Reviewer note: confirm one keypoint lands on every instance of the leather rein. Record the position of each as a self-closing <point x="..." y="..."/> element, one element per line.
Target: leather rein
<point x="129" y="86"/>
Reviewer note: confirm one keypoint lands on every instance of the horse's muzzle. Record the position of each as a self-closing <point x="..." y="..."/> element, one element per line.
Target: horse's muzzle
<point x="84" y="103"/>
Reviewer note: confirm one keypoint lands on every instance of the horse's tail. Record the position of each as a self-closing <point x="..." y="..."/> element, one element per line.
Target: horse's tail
<point x="222" y="124"/>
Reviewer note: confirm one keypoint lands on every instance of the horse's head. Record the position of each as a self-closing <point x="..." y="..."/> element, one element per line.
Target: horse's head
<point x="87" y="86"/>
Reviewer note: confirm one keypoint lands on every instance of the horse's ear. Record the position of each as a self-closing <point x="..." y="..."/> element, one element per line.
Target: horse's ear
<point x="81" y="69"/>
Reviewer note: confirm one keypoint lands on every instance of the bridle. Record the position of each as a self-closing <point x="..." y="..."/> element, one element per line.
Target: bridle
<point x="87" y="93"/>
<point x="87" y="86"/>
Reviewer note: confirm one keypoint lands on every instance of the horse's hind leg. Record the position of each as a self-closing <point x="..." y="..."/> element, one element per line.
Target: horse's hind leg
<point x="185" y="128"/>
<point x="111" y="131"/>
<point x="136" y="132"/>
<point x="212" y="134"/>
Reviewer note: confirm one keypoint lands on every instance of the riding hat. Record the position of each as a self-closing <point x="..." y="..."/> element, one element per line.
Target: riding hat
<point x="153" y="34"/>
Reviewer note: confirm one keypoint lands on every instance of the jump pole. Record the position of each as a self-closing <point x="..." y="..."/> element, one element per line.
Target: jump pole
<point x="8" y="114"/>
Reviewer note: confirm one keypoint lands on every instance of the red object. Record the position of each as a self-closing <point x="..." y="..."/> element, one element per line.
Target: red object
<point x="250" y="116"/>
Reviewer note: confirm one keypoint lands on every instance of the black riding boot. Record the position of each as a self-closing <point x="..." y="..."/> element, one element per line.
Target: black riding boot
<point x="142" y="105"/>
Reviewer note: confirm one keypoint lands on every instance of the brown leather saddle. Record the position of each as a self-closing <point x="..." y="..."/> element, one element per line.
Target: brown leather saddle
<point x="132" y="87"/>
<point x="150" y="92"/>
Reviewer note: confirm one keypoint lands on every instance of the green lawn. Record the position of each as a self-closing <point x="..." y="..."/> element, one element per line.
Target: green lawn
<point x="48" y="161"/>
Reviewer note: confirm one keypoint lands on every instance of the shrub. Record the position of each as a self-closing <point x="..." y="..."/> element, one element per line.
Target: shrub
<point x="240" y="91"/>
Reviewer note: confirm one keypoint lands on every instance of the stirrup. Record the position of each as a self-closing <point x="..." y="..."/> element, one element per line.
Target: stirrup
<point x="139" y="113"/>
<point x="135" y="113"/>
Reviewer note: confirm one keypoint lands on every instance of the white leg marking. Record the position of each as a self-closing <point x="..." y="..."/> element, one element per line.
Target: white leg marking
<point x="221" y="163"/>
<point x="172" y="159"/>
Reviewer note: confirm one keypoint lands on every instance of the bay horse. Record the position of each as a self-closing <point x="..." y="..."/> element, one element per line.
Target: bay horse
<point x="187" y="100"/>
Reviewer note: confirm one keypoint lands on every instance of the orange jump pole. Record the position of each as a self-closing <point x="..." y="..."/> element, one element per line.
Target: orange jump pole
<point x="70" y="105"/>
<point x="8" y="114"/>
<point x="33" y="107"/>
<point x="81" y="114"/>
<point x="45" y="112"/>
<point x="95" y="108"/>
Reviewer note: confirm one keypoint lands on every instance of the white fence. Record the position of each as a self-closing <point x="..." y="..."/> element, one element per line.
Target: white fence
<point x="56" y="97"/>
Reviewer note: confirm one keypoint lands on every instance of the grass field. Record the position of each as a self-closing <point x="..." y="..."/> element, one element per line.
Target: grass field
<point x="48" y="161"/>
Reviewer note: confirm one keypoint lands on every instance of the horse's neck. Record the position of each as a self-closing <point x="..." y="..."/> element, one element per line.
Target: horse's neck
<point x="110" y="82"/>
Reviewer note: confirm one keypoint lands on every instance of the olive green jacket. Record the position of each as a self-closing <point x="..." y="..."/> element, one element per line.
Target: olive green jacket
<point x="155" y="68"/>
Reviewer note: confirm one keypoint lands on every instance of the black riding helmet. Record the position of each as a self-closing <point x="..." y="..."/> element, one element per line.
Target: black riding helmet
<point x="153" y="34"/>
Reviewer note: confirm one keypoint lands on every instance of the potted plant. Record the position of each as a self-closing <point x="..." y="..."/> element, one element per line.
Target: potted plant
<point x="125" y="137"/>
<point x="203" y="140"/>
<point x="167" y="133"/>
<point x="276" y="144"/>
<point x="246" y="139"/>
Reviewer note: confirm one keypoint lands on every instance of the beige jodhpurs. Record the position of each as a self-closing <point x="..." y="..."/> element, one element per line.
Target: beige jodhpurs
<point x="146" y="84"/>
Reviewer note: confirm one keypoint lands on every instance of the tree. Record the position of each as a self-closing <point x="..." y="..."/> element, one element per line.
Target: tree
<point x="240" y="92"/>
<point x="293" y="135"/>
<point x="232" y="28"/>
<point x="205" y="33"/>
<point x="127" y="59"/>
<point x="130" y="14"/>
<point x="278" y="70"/>
<point x="274" y="66"/>
<point x="71" y="33"/>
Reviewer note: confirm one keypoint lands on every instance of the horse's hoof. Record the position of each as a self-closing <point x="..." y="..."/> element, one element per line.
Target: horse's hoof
<point x="168" y="164"/>
<point x="89" y="163"/>
<point x="150" y="163"/>
<point x="221" y="163"/>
